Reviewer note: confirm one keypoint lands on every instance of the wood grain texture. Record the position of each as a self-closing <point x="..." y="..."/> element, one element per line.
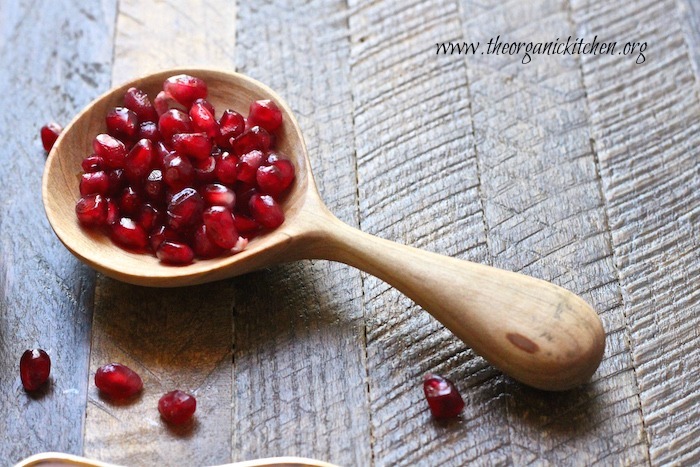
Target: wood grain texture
<point x="689" y="15"/>
<point x="418" y="185"/>
<point x="45" y="294"/>
<point x="176" y="338"/>
<point x="646" y="121"/>
<point x="545" y="216"/>
<point x="299" y="371"/>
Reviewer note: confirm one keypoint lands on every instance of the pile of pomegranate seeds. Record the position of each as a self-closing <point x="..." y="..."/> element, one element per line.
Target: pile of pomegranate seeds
<point x="118" y="381"/>
<point x="34" y="369"/>
<point x="170" y="179"/>
<point x="177" y="407"/>
<point x="443" y="398"/>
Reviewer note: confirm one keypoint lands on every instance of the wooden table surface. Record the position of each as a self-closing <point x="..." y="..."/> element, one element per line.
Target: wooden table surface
<point x="579" y="169"/>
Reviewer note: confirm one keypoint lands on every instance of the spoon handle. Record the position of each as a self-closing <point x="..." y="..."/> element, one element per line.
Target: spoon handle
<point x="534" y="331"/>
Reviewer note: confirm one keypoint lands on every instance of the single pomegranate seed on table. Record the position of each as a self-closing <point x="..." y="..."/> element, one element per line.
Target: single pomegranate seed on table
<point x="49" y="134"/>
<point x="177" y="407"/>
<point x="443" y="398"/>
<point x="266" y="114"/>
<point x="118" y="381"/>
<point x="92" y="163"/>
<point x="111" y="150"/>
<point x="185" y="89"/>
<point x="174" y="253"/>
<point x="91" y="210"/>
<point x="196" y="145"/>
<point x="122" y="123"/>
<point x="220" y="226"/>
<point x="138" y="102"/>
<point x="129" y="234"/>
<point x="139" y="161"/>
<point x="257" y="138"/>
<point x="266" y="211"/>
<point x="172" y="122"/>
<point x="248" y="166"/>
<point x="94" y="183"/>
<point x="216" y="194"/>
<point x="34" y="368"/>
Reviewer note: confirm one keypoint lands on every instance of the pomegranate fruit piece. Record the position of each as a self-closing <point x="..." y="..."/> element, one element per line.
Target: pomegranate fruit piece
<point x="49" y="134"/>
<point x="266" y="211"/>
<point x="220" y="226"/>
<point x="185" y="209"/>
<point x="185" y="89"/>
<point x="443" y="398"/>
<point x="266" y="114"/>
<point x="118" y="381"/>
<point x="218" y="195"/>
<point x="177" y="407"/>
<point x="34" y="369"/>
<point x="174" y="253"/>
<point x="202" y="116"/>
<point x="138" y="102"/>
<point x="91" y="210"/>
<point x="196" y="145"/>
<point x="172" y="122"/>
<point x="122" y="123"/>
<point x="92" y="163"/>
<point x="94" y="183"/>
<point x="139" y="161"/>
<point x="275" y="178"/>
<point x="129" y="234"/>
<point x="111" y="150"/>
<point x="248" y="166"/>
<point x="203" y="246"/>
<point x="255" y="138"/>
<point x="231" y="125"/>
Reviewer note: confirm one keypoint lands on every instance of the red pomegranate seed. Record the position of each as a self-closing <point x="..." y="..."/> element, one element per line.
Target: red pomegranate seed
<point x="92" y="163"/>
<point x="257" y="138"/>
<point x="231" y="125"/>
<point x="274" y="179"/>
<point x="117" y="181"/>
<point x="177" y="407"/>
<point x="205" y="170"/>
<point x="443" y="398"/>
<point x="112" y="212"/>
<point x="34" y="368"/>
<point x="243" y="194"/>
<point x="129" y="234"/>
<point x="130" y="201"/>
<point x="266" y="211"/>
<point x="111" y="150"/>
<point x="174" y="253"/>
<point x="118" y="381"/>
<point x="245" y="225"/>
<point x="185" y="89"/>
<point x="266" y="114"/>
<point x="226" y="168"/>
<point x="248" y="166"/>
<point x="139" y="161"/>
<point x="94" y="183"/>
<point x="154" y="186"/>
<point x="178" y="172"/>
<point x="162" y="152"/>
<point x="162" y="103"/>
<point x="122" y="123"/>
<point x="172" y="122"/>
<point x="218" y="195"/>
<point x="203" y="246"/>
<point x="220" y="227"/>
<point x="49" y="134"/>
<point x="202" y="116"/>
<point x="161" y="234"/>
<point x="138" y="102"/>
<point x="185" y="209"/>
<point x="149" y="217"/>
<point x="196" y="145"/>
<point x="149" y="130"/>
<point x="91" y="210"/>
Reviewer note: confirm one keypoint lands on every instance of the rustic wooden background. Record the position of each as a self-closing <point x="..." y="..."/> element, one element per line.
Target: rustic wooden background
<point x="581" y="170"/>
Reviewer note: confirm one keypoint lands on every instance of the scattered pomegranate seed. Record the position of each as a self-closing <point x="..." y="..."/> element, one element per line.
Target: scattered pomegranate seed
<point x="266" y="114"/>
<point x="122" y="123"/>
<point x="138" y="102"/>
<point x="177" y="407"/>
<point x="91" y="210"/>
<point x="34" y="368"/>
<point x="49" y="134"/>
<point x="174" y="253"/>
<point x="118" y="381"/>
<point x="443" y="398"/>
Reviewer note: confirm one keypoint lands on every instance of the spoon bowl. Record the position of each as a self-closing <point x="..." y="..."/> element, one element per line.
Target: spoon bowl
<point x="536" y="332"/>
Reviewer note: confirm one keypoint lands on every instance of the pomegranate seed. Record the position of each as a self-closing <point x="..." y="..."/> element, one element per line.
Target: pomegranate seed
<point x="266" y="211"/>
<point x="148" y="217"/>
<point x="266" y="114"/>
<point x="172" y="122"/>
<point x="129" y="234"/>
<point x="243" y="194"/>
<point x="177" y="407"/>
<point x="118" y="381"/>
<point x="205" y="170"/>
<point x="231" y="125"/>
<point x="149" y="130"/>
<point x="196" y="145"/>
<point x="122" y="123"/>
<point x="160" y="235"/>
<point x="111" y="150"/>
<point x="255" y="138"/>
<point x="92" y="163"/>
<point x="174" y="253"/>
<point x="443" y="398"/>
<point x="274" y="179"/>
<point x="226" y="168"/>
<point x="245" y="225"/>
<point x="162" y="152"/>
<point x="91" y="210"/>
<point x="154" y="186"/>
<point x="49" y="134"/>
<point x="178" y="172"/>
<point x="162" y="103"/>
<point x="139" y="161"/>
<point x="34" y="369"/>
<point x="185" y="89"/>
<point x="218" y="195"/>
<point x="130" y="201"/>
<point x="185" y="209"/>
<point x="203" y="246"/>
<point x="138" y="102"/>
<point x="117" y="181"/>
<point x="94" y="183"/>
<point x="248" y="166"/>
<point x="112" y="212"/>
<point x="202" y="116"/>
<point x="220" y="227"/>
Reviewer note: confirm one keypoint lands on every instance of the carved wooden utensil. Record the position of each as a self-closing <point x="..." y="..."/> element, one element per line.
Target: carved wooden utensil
<point x="536" y="332"/>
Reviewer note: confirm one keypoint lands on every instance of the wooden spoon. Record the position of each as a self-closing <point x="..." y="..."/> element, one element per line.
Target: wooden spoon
<point x="536" y="332"/>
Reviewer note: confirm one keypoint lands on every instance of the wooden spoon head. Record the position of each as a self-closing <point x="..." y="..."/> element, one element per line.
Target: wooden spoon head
<point x="60" y="188"/>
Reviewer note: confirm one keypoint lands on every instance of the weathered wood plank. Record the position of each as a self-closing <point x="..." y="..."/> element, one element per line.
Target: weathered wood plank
<point x="646" y="123"/>
<point x="545" y="216"/>
<point x="45" y="294"/>
<point x="178" y="338"/>
<point x="299" y="369"/>
<point x="689" y="12"/>
<point x="418" y="185"/>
